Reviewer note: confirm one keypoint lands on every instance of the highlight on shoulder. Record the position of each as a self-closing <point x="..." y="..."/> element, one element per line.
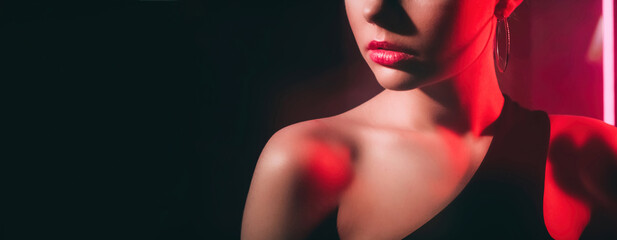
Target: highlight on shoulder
<point x="298" y="179"/>
<point x="323" y="158"/>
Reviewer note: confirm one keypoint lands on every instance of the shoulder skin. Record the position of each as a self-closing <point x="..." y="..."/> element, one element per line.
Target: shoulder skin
<point x="297" y="181"/>
<point x="581" y="174"/>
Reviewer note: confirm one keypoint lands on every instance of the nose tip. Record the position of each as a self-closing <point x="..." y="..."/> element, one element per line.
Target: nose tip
<point x="372" y="9"/>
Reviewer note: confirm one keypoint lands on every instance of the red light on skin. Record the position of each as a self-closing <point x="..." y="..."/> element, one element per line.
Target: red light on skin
<point x="329" y="169"/>
<point x="565" y="216"/>
<point x="579" y="175"/>
<point x="608" y="62"/>
<point x="328" y="173"/>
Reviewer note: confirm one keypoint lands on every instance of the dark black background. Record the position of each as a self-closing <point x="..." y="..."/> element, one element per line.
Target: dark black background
<point x="144" y="119"/>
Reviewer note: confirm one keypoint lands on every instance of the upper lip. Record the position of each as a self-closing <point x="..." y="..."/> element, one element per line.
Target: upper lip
<point x="373" y="45"/>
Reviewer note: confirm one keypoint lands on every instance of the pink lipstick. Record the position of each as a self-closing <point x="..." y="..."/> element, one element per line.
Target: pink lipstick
<point x="388" y="54"/>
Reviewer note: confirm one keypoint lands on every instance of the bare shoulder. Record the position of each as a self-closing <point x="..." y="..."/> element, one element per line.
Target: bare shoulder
<point x="298" y="176"/>
<point x="582" y="131"/>
<point x="287" y="145"/>
<point x="316" y="150"/>
<point x="297" y="144"/>
<point x="585" y="149"/>
<point x="569" y="124"/>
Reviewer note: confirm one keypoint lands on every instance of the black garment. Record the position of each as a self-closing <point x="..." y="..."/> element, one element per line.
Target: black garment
<point x="503" y="200"/>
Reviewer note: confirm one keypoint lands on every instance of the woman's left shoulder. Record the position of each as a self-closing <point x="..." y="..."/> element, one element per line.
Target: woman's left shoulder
<point x="586" y="149"/>
<point x="582" y="130"/>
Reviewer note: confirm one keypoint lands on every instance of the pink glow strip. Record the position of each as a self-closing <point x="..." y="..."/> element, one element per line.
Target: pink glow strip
<point x="608" y="61"/>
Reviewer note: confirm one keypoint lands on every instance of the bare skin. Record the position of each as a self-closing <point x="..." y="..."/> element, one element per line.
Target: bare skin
<point x="405" y="154"/>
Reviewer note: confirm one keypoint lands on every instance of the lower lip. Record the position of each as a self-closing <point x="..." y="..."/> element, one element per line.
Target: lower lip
<point x="389" y="58"/>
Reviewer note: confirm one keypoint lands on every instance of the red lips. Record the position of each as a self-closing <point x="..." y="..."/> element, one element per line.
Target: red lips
<point x="388" y="54"/>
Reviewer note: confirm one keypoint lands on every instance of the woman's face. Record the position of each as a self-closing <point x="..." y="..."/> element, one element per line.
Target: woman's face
<point x="412" y="43"/>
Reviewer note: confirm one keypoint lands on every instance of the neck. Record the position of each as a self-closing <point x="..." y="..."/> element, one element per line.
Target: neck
<point x="466" y="103"/>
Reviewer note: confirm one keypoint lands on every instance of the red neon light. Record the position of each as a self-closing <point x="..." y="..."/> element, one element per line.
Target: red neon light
<point x="608" y="62"/>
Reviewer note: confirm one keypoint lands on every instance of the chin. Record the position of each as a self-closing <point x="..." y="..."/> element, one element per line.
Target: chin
<point x="398" y="80"/>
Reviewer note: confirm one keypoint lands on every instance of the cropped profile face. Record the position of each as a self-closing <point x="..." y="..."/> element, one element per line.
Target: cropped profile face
<point x="412" y="43"/>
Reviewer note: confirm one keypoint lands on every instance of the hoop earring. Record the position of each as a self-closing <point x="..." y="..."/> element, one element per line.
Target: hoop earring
<point x="502" y="28"/>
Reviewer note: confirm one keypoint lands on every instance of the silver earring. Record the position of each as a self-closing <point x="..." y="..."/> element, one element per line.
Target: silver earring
<point x="502" y="28"/>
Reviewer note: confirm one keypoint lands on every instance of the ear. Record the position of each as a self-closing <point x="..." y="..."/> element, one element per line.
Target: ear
<point x="504" y="8"/>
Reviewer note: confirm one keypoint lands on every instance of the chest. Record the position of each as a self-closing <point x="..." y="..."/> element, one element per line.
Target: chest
<point x="401" y="182"/>
<point x="401" y="186"/>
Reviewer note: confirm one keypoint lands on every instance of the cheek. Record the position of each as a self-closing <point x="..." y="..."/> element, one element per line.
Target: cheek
<point x="471" y="20"/>
<point x="459" y="27"/>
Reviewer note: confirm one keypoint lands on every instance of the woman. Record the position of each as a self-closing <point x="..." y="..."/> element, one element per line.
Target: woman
<point x="441" y="152"/>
